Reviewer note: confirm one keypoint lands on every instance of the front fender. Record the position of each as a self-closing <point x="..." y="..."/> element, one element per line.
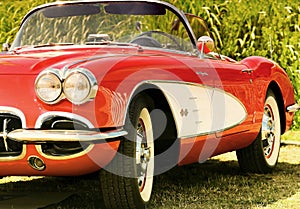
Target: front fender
<point x="269" y="75"/>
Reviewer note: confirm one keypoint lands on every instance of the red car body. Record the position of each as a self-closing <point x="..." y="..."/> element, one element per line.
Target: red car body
<point x="215" y="104"/>
<point x="23" y="68"/>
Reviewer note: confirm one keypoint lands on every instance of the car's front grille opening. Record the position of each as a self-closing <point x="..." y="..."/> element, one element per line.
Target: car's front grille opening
<point x="64" y="123"/>
<point x="8" y="147"/>
<point x="63" y="148"/>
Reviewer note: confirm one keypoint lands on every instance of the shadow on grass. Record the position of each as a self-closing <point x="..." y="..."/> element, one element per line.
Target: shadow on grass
<point x="70" y="193"/>
<point x="214" y="184"/>
<point x="218" y="184"/>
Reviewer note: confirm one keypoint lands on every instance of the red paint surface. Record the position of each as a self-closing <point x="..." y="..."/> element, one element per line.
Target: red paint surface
<point x="119" y="72"/>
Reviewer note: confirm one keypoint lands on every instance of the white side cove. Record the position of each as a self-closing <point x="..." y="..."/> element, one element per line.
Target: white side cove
<point x="199" y="109"/>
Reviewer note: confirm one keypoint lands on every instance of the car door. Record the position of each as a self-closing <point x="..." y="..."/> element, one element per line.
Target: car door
<point x="230" y="78"/>
<point x="236" y="80"/>
<point x="219" y="117"/>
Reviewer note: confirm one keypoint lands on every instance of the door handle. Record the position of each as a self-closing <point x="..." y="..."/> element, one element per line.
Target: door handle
<point x="249" y="71"/>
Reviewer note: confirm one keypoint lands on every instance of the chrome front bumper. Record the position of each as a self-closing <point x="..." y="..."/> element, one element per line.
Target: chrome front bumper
<point x="43" y="136"/>
<point x="293" y="108"/>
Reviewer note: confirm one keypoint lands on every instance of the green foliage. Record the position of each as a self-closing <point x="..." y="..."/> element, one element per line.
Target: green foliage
<point x="11" y="15"/>
<point x="240" y="28"/>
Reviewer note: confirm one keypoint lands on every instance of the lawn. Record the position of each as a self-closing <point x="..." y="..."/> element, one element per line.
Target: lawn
<point x="218" y="183"/>
<point x="291" y="136"/>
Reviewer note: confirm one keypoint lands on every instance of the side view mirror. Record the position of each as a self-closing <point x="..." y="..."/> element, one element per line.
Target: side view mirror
<point x="5" y="47"/>
<point x="205" y="45"/>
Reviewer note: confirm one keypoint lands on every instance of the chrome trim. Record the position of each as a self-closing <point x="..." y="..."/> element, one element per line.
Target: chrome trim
<point x="248" y="70"/>
<point x="67" y="157"/>
<point x="20" y="114"/>
<point x="14" y="111"/>
<point x="5" y="47"/>
<point x="155" y="82"/>
<point x="67" y="121"/>
<point x="93" y="88"/>
<point x="42" y="136"/>
<point x="48" y="115"/>
<point x="168" y="6"/>
<point x="57" y="73"/>
<point x="293" y="108"/>
<point x="14" y="158"/>
<point x="32" y="162"/>
<point x="204" y="40"/>
<point x="4" y="133"/>
<point x="62" y="75"/>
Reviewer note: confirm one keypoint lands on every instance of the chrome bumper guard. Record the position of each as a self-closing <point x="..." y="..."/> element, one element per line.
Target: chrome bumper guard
<point x="293" y="108"/>
<point x="43" y="136"/>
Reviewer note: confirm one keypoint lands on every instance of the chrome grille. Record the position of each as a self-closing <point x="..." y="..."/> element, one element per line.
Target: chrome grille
<point x="8" y="123"/>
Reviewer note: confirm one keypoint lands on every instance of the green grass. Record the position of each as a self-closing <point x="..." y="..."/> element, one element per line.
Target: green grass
<point x="292" y="135"/>
<point x="291" y="202"/>
<point x="218" y="183"/>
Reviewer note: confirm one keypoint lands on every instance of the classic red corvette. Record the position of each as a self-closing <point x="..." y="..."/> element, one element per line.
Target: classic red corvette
<point x="132" y="88"/>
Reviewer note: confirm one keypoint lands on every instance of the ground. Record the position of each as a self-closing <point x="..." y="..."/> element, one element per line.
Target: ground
<point x="217" y="183"/>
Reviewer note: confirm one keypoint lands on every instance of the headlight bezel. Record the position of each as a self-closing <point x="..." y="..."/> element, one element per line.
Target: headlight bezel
<point x="49" y="72"/>
<point x="63" y="77"/>
<point x="92" y="84"/>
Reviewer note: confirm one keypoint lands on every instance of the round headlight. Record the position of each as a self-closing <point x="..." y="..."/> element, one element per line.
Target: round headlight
<point x="48" y="87"/>
<point x="78" y="87"/>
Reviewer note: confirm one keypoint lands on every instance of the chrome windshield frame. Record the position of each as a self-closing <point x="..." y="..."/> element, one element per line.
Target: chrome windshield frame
<point x="168" y="6"/>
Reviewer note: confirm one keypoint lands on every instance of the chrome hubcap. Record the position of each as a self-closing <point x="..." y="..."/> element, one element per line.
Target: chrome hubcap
<point x="143" y="156"/>
<point x="268" y="131"/>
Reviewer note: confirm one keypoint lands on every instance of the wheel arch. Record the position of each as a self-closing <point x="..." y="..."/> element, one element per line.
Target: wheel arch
<point x="166" y="138"/>
<point x="279" y="98"/>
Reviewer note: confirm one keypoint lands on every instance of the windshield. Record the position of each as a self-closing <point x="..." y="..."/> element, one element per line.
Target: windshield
<point x="140" y="23"/>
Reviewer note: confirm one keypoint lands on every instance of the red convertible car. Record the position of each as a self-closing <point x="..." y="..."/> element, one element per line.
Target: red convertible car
<point x="131" y="89"/>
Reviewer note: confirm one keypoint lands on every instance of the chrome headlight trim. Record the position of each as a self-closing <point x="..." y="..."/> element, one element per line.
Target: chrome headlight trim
<point x="80" y="86"/>
<point x="44" y="88"/>
<point x="82" y="80"/>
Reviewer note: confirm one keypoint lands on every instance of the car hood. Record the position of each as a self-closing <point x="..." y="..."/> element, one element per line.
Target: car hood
<point x="34" y="61"/>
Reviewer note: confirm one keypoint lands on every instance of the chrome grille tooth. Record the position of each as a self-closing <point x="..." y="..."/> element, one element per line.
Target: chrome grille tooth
<point x="5" y="123"/>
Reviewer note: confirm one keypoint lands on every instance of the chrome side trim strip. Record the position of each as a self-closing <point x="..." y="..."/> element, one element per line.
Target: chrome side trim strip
<point x="42" y="136"/>
<point x="198" y="109"/>
<point x="293" y="108"/>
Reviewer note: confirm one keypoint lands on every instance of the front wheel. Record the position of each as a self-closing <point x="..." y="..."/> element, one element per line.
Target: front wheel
<point x="262" y="155"/>
<point x="127" y="181"/>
